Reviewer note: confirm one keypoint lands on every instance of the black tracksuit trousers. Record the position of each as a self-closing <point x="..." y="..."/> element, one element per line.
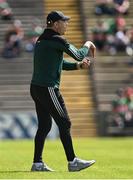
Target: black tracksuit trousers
<point x="49" y="103"/>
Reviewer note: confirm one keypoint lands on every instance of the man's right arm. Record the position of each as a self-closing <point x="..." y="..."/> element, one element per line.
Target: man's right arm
<point x="80" y="54"/>
<point x="77" y="54"/>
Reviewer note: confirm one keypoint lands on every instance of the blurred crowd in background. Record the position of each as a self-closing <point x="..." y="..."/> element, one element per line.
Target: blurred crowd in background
<point x="112" y="7"/>
<point x="15" y="39"/>
<point x="122" y="108"/>
<point x="112" y="34"/>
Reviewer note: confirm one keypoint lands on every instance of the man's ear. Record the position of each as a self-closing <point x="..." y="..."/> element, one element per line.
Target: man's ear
<point x="56" y="24"/>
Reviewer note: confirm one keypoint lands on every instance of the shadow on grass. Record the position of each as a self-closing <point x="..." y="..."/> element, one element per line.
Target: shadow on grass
<point x="10" y="171"/>
<point x="15" y="172"/>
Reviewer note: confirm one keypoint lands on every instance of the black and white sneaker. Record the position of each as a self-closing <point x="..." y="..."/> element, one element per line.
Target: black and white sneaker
<point x="79" y="164"/>
<point x="40" y="167"/>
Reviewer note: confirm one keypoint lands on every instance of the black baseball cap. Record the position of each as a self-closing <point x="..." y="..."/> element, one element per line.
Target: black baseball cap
<point x="54" y="16"/>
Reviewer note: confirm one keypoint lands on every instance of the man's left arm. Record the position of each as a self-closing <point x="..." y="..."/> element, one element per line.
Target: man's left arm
<point x="67" y="65"/>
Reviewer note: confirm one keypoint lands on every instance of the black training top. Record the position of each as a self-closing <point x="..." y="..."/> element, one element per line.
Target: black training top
<point x="48" y="58"/>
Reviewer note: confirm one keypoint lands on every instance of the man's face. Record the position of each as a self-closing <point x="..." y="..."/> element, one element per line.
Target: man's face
<point x="61" y="26"/>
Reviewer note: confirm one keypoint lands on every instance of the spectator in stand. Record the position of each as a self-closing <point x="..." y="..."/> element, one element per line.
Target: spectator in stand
<point x="129" y="114"/>
<point x="122" y="6"/>
<point x="32" y="35"/>
<point x="129" y="49"/>
<point x="121" y="38"/>
<point x="110" y="39"/>
<point x="117" y="37"/>
<point x="13" y="40"/>
<point x="112" y="7"/>
<point x="119" y="108"/>
<point x="104" y="7"/>
<point x="5" y="10"/>
<point x="122" y="108"/>
<point x="99" y="35"/>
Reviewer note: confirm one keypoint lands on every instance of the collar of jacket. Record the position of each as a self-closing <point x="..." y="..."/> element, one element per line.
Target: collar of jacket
<point x="48" y="33"/>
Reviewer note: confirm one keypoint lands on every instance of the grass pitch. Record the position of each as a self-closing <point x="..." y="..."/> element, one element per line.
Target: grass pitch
<point x="114" y="158"/>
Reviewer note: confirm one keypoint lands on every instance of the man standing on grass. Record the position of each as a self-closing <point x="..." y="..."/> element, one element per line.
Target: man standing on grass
<point x="48" y="64"/>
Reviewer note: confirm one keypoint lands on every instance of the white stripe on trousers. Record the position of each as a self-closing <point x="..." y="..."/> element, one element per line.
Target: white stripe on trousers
<point x="55" y="101"/>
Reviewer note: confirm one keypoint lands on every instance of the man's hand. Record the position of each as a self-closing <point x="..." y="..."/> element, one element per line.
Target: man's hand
<point x="92" y="47"/>
<point x="84" y="64"/>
